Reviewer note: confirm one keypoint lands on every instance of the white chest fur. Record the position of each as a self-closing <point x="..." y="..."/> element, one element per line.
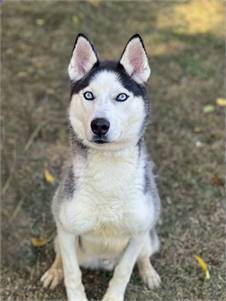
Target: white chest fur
<point x="109" y="198"/>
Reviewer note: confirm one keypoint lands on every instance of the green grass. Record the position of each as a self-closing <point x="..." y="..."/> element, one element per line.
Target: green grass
<point x="187" y="74"/>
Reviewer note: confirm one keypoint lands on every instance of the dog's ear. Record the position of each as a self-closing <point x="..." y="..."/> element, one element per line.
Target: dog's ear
<point x="134" y="60"/>
<point x="83" y="58"/>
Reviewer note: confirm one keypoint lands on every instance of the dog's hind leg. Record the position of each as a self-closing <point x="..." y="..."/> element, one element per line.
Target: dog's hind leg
<point x="147" y="272"/>
<point x="54" y="275"/>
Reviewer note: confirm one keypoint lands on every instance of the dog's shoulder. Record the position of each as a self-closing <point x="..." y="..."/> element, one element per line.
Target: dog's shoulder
<point x="70" y="175"/>
<point x="149" y="174"/>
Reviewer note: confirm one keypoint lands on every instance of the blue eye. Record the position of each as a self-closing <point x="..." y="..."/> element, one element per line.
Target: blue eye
<point x="121" y="97"/>
<point x="88" y="95"/>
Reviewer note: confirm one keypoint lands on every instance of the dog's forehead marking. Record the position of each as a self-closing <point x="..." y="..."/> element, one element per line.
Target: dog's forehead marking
<point x="109" y="72"/>
<point x="105" y="81"/>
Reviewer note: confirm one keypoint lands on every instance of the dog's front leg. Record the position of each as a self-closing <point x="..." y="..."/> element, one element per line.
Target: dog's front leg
<point x="123" y="270"/>
<point x="72" y="273"/>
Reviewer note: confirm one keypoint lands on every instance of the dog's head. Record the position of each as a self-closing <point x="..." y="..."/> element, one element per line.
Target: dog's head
<point x="109" y="105"/>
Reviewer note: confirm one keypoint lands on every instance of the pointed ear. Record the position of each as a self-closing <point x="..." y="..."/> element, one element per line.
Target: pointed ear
<point x="83" y="58"/>
<point x="135" y="61"/>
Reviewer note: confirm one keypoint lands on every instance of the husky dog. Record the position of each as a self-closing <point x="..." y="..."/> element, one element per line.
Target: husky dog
<point x="107" y="204"/>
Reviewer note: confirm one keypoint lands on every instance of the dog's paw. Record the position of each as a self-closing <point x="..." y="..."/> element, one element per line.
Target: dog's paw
<point x="52" y="278"/>
<point x="112" y="297"/>
<point x="151" y="278"/>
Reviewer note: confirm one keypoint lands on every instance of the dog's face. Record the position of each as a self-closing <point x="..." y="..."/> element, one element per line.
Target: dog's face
<point x="109" y="105"/>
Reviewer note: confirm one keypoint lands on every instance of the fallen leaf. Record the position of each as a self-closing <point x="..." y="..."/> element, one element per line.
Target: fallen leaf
<point x="75" y="19"/>
<point x="221" y="102"/>
<point x="216" y="181"/>
<point x="48" y="176"/>
<point x="197" y="130"/>
<point x="95" y="2"/>
<point x="40" y="22"/>
<point x="203" y="266"/>
<point x="39" y="242"/>
<point x="208" y="108"/>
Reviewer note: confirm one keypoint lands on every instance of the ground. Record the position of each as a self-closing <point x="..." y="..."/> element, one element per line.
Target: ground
<point x="185" y="43"/>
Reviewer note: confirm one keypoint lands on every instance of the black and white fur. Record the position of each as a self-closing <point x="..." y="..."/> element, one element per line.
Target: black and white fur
<point x="107" y="204"/>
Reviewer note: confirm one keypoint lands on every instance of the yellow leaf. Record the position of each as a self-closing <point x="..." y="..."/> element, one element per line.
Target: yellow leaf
<point x="197" y="130"/>
<point x="208" y="109"/>
<point x="48" y="177"/>
<point x="75" y="19"/>
<point x="40" y="22"/>
<point x="203" y="266"/>
<point x="221" y="102"/>
<point x="39" y="242"/>
<point x="95" y="2"/>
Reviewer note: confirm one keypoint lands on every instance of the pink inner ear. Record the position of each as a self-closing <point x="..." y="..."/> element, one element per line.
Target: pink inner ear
<point x="136" y="57"/>
<point x="83" y="56"/>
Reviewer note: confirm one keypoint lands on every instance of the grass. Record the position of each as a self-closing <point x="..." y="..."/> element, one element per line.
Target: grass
<point x="186" y="143"/>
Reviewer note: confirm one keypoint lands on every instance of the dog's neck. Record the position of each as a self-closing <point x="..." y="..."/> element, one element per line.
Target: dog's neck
<point x="115" y="154"/>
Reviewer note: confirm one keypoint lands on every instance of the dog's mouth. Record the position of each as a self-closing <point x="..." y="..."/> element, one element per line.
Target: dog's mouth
<point x="100" y="141"/>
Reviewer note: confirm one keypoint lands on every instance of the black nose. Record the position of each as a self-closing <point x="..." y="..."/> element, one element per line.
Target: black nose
<point x="100" y="126"/>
